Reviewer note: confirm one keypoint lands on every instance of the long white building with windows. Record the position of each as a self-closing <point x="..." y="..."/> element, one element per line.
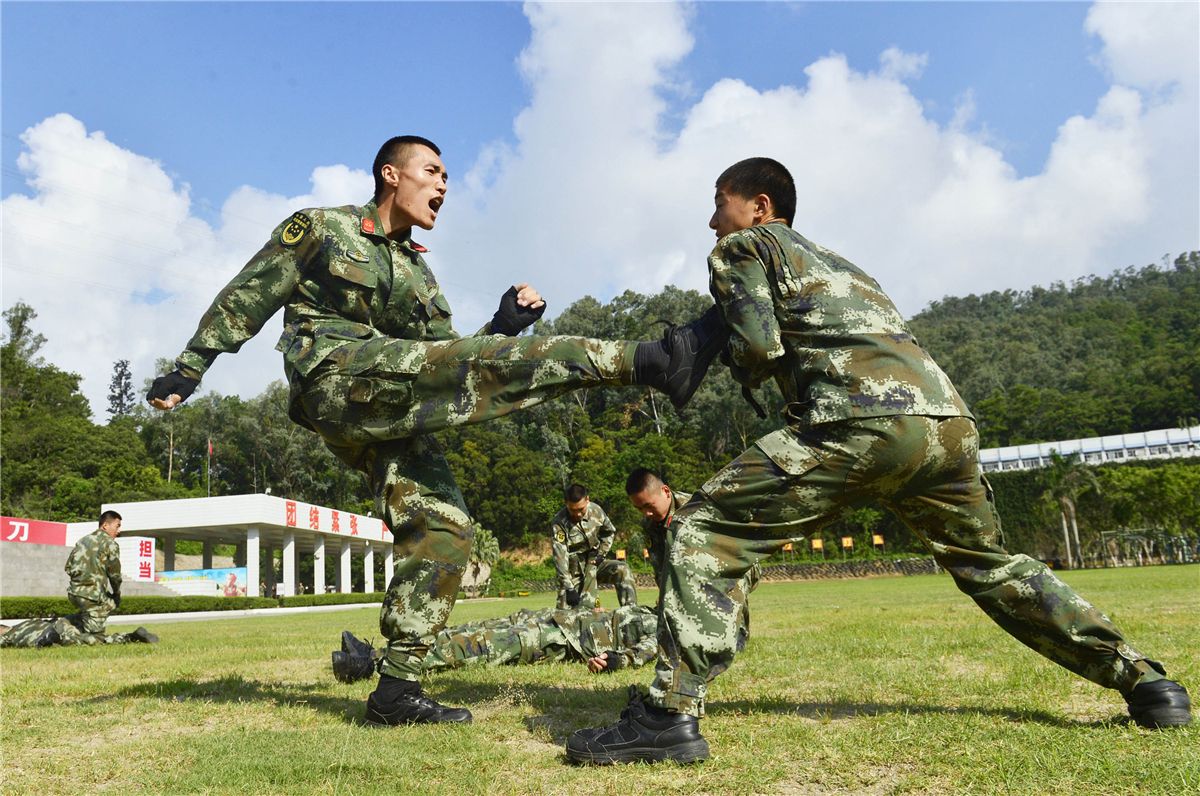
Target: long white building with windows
<point x="1167" y="443"/>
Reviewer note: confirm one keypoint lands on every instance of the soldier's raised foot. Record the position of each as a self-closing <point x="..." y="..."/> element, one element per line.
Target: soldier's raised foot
<point x="397" y="701"/>
<point x="644" y="733"/>
<point x="677" y="364"/>
<point x="1159" y="704"/>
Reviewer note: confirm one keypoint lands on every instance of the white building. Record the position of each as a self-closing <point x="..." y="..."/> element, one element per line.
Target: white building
<point x="1168" y="443"/>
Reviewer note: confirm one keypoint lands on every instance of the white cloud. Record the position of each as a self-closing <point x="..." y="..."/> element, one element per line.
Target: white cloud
<point x="106" y="232"/>
<point x="594" y="196"/>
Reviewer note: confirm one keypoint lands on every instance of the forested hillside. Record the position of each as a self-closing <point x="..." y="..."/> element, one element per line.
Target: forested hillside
<point x="1098" y="356"/>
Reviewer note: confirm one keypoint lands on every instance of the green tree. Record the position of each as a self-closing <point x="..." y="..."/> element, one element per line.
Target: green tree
<point x="120" y="390"/>
<point x="1064" y="481"/>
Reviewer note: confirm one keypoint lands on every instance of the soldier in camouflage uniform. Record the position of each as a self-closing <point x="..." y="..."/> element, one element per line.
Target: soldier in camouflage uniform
<point x="581" y="534"/>
<point x="375" y="367"/>
<point x="94" y="569"/>
<point x="604" y="640"/>
<point x="869" y="416"/>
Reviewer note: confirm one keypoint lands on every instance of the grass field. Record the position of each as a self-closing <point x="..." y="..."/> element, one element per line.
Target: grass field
<point x="890" y="685"/>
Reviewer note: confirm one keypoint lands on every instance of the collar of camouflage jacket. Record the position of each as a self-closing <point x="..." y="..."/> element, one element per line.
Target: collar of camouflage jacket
<point x="371" y="226"/>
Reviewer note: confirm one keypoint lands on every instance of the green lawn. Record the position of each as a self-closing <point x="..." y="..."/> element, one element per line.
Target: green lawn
<point x="891" y="685"/>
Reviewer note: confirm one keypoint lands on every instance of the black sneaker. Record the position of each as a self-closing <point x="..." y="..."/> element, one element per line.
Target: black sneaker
<point x="403" y="703"/>
<point x="351" y="668"/>
<point x="353" y="645"/>
<point x="687" y="351"/>
<point x="644" y="733"/>
<point x="1161" y="703"/>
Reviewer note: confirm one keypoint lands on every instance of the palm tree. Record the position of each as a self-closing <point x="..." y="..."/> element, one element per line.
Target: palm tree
<point x="1065" y="480"/>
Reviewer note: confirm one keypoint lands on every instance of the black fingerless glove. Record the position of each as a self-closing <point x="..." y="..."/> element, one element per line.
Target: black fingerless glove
<point x="613" y="661"/>
<point x="117" y="598"/>
<point x="173" y="383"/>
<point x="511" y="318"/>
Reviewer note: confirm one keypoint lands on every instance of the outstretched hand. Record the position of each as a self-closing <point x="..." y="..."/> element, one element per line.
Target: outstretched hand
<point x="170" y="390"/>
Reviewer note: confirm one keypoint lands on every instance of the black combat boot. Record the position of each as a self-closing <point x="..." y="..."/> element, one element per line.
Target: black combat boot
<point x="644" y="733"/>
<point x="351" y="668"/>
<point x="143" y="635"/>
<point x="355" y="646"/>
<point x="676" y="364"/>
<point x="395" y="701"/>
<point x="1160" y="703"/>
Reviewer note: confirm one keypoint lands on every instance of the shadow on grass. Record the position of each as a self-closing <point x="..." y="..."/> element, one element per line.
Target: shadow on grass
<point x="238" y="689"/>
<point x="558" y="707"/>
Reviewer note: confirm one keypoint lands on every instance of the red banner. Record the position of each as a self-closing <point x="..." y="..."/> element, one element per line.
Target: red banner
<point x="18" y="529"/>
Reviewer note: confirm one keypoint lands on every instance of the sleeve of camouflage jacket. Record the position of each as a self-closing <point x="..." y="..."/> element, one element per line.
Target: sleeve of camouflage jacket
<point x="645" y="651"/>
<point x="112" y="564"/>
<point x="244" y="305"/>
<point x="562" y="563"/>
<point x="738" y="282"/>
<point x="608" y="533"/>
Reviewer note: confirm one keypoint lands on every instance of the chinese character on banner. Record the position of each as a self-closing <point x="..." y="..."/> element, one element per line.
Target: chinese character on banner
<point x="877" y="540"/>
<point x="314" y="518"/>
<point x="621" y="555"/>
<point x="818" y="544"/>
<point x="353" y="525"/>
<point x="291" y="513"/>
<point x="787" y="548"/>
<point x="337" y="527"/>
<point x="146" y="548"/>
<point x="144" y="571"/>
<point x="847" y="542"/>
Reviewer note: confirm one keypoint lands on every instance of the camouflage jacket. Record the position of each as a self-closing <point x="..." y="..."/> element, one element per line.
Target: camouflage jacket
<point x="575" y="543"/>
<point x="655" y="534"/>
<point x="344" y="287"/>
<point x="631" y="631"/>
<point x="94" y="566"/>
<point x="823" y="329"/>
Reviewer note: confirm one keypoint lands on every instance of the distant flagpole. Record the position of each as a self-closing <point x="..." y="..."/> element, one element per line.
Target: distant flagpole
<point x="208" y="478"/>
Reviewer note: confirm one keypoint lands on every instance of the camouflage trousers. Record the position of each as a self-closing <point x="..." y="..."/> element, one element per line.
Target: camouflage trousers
<point x="377" y="417"/>
<point x="524" y="637"/>
<point x="791" y="482"/>
<point x="610" y="572"/>
<point x="70" y="633"/>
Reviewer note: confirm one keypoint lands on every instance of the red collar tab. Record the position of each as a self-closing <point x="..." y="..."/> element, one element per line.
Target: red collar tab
<point x="418" y="248"/>
<point x="368" y="226"/>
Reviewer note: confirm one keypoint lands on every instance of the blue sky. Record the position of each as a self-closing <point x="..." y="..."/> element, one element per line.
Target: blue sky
<point x="147" y="148"/>
<point x="226" y="94"/>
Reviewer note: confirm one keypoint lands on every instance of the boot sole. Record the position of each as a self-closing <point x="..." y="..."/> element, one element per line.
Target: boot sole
<point x="1177" y="717"/>
<point x="690" y="752"/>
<point x="379" y="721"/>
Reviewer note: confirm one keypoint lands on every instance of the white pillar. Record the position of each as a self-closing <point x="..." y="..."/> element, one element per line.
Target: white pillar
<point x="252" y="589"/>
<point x="369" y="568"/>
<point x="344" y="581"/>
<point x="289" y="565"/>
<point x="268" y="575"/>
<point x="206" y="560"/>
<point x="389" y="565"/>
<point x="168" y="553"/>
<point x="319" y="564"/>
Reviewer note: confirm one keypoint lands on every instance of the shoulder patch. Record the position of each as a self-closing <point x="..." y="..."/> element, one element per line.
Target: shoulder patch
<point x="295" y="230"/>
<point x="560" y="536"/>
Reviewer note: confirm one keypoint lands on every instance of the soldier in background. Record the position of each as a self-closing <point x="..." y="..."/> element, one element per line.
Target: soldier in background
<point x="869" y="417"/>
<point x="581" y="535"/>
<point x="375" y="367"/>
<point x="604" y="640"/>
<point x="94" y="568"/>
